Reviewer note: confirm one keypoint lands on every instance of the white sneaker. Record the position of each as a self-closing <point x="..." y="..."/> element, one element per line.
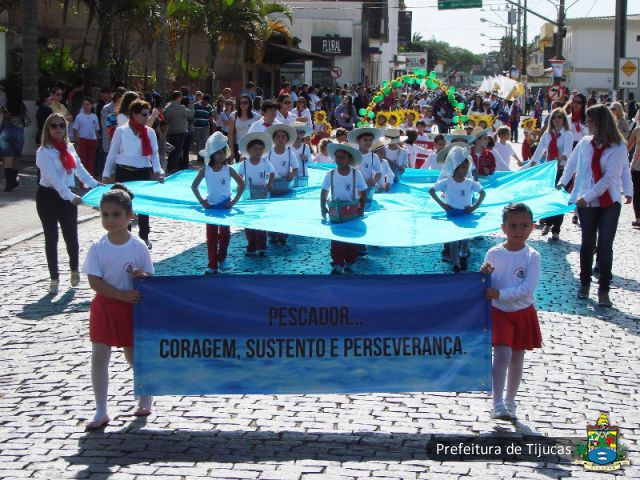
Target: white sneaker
<point x="75" y="278"/>
<point x="500" y="412"/>
<point x="511" y="407"/>
<point x="224" y="266"/>
<point x="53" y="286"/>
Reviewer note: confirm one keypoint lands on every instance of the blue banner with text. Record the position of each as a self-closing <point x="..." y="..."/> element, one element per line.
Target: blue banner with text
<point x="265" y="334"/>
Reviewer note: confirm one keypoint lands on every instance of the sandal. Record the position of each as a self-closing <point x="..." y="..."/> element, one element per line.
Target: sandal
<point x="97" y="424"/>
<point x="142" y="412"/>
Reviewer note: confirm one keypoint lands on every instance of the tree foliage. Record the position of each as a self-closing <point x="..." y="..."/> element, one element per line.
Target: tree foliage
<point x="456" y="58"/>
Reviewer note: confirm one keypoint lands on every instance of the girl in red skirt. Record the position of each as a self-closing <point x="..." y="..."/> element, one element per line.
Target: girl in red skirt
<point x="515" y="270"/>
<point x="111" y="265"/>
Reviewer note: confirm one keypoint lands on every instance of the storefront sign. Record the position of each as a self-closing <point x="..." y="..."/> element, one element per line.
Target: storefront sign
<point x="337" y="46"/>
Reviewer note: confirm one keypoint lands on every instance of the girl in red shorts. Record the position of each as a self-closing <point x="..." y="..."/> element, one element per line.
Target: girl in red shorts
<point x="111" y="265"/>
<point x="515" y="270"/>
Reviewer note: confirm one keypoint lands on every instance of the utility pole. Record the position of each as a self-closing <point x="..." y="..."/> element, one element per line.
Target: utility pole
<point x="518" y="36"/>
<point x="525" y="51"/>
<point x="620" y="43"/>
<point x="559" y="37"/>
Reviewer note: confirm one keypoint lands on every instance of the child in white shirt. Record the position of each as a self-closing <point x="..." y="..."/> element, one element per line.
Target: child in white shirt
<point x="458" y="192"/>
<point x="504" y="149"/>
<point x="85" y="131"/>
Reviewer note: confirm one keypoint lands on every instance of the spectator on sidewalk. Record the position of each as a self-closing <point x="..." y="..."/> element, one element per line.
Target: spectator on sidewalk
<point x="202" y="121"/>
<point x="177" y="115"/>
<point x="86" y="130"/>
<point x="14" y="120"/>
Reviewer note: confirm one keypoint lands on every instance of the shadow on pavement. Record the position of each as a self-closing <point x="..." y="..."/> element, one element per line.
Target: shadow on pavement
<point x="136" y="445"/>
<point x="47" y="307"/>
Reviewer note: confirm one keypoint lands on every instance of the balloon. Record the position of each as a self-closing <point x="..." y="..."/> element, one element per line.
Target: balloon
<point x="396" y="84"/>
<point x="461" y="106"/>
<point x="386" y="90"/>
<point x="359" y="124"/>
<point x="362" y="111"/>
<point x="385" y="83"/>
<point x="452" y="90"/>
<point x="465" y="119"/>
<point x="371" y="115"/>
<point x="377" y="98"/>
<point x="432" y="75"/>
<point x="456" y="119"/>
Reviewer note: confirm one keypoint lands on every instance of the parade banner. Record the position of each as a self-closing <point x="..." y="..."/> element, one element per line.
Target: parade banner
<point x="246" y="334"/>
<point x="405" y="217"/>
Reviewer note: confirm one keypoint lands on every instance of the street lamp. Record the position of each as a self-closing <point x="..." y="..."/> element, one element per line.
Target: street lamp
<point x="490" y="38"/>
<point x="507" y="35"/>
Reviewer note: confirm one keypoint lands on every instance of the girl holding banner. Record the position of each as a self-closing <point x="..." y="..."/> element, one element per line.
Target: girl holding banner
<point x="111" y="265"/>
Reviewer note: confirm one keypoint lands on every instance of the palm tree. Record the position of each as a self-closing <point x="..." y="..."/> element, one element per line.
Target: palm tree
<point x="29" y="49"/>
<point x="240" y="21"/>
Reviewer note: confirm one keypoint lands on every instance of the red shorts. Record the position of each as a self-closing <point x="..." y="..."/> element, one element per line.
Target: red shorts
<point x="519" y="330"/>
<point x="111" y="322"/>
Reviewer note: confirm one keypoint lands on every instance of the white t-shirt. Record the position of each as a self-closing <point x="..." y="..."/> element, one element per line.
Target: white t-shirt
<point x="115" y="263"/>
<point x="457" y="195"/>
<point x="516" y="275"/>
<point x="283" y="163"/>
<point x="218" y="185"/>
<point x="259" y="126"/>
<point x="122" y="119"/>
<point x="303" y="169"/>
<point x="314" y="100"/>
<point x="370" y="165"/>
<point x="387" y="174"/>
<point x="323" y="159"/>
<point x="400" y="156"/>
<point x="505" y="152"/>
<point x="256" y="175"/>
<point x="343" y="188"/>
<point x="86" y="124"/>
<point x="289" y="120"/>
<point x="432" y="163"/>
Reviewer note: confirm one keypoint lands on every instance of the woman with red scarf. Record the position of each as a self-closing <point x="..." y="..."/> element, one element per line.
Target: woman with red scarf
<point x="577" y="119"/>
<point x="598" y="163"/>
<point x="133" y="155"/>
<point x="59" y="164"/>
<point x="557" y="143"/>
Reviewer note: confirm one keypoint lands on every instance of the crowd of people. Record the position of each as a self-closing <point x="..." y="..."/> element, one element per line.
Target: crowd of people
<point x="265" y="146"/>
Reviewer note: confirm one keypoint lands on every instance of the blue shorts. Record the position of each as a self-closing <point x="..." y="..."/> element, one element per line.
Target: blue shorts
<point x="11" y="141"/>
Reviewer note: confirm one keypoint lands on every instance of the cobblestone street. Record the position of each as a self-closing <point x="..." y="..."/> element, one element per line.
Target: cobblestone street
<point x="589" y="363"/>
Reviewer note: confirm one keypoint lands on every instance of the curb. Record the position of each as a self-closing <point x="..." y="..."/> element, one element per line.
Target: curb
<point x="11" y="242"/>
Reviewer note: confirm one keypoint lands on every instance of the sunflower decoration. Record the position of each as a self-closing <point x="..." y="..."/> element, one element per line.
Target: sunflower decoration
<point x="412" y="116"/>
<point x="382" y="119"/>
<point x="528" y="123"/>
<point x="394" y="119"/>
<point x="481" y="120"/>
<point x="322" y="128"/>
<point x="319" y="116"/>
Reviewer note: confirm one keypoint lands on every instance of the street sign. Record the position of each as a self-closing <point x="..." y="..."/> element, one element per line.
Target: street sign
<point x="555" y="92"/>
<point x="628" y="72"/>
<point x="535" y="70"/>
<point x="336" y="72"/>
<point x="415" y="60"/>
<point x="451" y="4"/>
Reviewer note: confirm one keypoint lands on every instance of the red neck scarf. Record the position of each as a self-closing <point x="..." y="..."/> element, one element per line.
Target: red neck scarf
<point x="596" y="169"/>
<point x="576" y="120"/>
<point x="141" y="131"/>
<point x="66" y="159"/>
<point x="552" y="151"/>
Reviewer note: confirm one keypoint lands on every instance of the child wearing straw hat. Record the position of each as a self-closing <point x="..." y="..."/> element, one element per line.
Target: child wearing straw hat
<point x="370" y="166"/>
<point x="483" y="159"/>
<point x="258" y="173"/>
<point x="345" y="183"/>
<point x="285" y="162"/>
<point x="458" y="191"/>
<point x="395" y="154"/>
<point x="217" y="175"/>
<point x="386" y="179"/>
<point x="302" y="149"/>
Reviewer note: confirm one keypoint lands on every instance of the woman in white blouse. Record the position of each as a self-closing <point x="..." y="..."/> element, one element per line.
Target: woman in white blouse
<point x="557" y="143"/>
<point x="59" y="164"/>
<point x="598" y="162"/>
<point x="302" y="113"/>
<point x="133" y="155"/>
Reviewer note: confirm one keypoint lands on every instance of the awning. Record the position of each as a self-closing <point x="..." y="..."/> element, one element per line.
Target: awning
<point x="277" y="54"/>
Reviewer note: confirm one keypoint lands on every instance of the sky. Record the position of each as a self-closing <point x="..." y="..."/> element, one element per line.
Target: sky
<point x="462" y="28"/>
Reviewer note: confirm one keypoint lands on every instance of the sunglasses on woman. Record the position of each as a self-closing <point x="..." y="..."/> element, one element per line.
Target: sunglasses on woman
<point x="57" y="125"/>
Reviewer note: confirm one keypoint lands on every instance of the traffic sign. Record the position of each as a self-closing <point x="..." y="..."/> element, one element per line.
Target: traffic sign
<point x="451" y="4"/>
<point x="628" y="72"/>
<point x="555" y="92"/>
<point x="535" y="70"/>
<point x="336" y="72"/>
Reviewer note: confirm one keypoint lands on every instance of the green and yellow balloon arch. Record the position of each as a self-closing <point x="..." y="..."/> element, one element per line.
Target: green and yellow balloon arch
<point x="430" y="80"/>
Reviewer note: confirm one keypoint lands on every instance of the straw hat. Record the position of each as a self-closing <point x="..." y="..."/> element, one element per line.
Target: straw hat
<point x="393" y="136"/>
<point x="481" y="132"/>
<point x="441" y="156"/>
<point x="215" y="143"/>
<point x="248" y="138"/>
<point x="356" y="156"/>
<point x="281" y="127"/>
<point x="379" y="143"/>
<point x="303" y="127"/>
<point x="357" y="132"/>
<point x="459" y="134"/>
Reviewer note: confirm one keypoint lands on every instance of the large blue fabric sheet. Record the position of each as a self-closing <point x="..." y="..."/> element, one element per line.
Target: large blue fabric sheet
<point x="405" y="217"/>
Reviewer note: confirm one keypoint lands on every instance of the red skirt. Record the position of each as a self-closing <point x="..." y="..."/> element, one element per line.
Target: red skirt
<point x="111" y="322"/>
<point x="519" y="330"/>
